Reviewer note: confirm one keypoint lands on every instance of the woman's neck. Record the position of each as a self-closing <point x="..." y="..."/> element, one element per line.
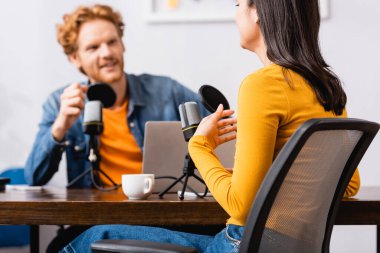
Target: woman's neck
<point x="262" y="54"/>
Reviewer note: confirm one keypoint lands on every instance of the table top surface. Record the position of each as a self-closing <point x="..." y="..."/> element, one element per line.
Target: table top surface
<point x="51" y="206"/>
<point x="366" y="193"/>
<point x="90" y="206"/>
<point x="53" y="194"/>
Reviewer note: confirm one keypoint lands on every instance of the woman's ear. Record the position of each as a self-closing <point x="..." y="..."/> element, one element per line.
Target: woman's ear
<point x="254" y="15"/>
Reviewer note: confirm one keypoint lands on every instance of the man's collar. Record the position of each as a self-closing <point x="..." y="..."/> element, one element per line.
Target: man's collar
<point x="135" y="92"/>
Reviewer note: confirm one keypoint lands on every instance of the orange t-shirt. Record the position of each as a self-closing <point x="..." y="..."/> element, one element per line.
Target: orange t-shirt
<point x="118" y="148"/>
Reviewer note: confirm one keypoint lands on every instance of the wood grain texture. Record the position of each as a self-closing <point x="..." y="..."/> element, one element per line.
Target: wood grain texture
<point x="53" y="206"/>
<point x="56" y="206"/>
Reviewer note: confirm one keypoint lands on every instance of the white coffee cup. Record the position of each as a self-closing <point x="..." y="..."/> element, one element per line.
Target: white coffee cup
<point x="137" y="186"/>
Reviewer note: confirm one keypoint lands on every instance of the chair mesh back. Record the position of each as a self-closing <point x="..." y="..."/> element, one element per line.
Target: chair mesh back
<point x="297" y="219"/>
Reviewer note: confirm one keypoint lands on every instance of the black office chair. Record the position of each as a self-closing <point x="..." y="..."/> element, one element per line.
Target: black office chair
<point x="295" y="208"/>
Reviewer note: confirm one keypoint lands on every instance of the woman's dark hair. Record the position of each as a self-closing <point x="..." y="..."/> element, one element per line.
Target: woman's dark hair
<point x="290" y="29"/>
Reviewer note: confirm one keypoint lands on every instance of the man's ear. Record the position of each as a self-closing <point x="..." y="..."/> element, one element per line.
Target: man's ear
<point x="73" y="58"/>
<point x="124" y="48"/>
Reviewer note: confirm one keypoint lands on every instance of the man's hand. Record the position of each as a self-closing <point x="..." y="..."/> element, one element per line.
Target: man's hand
<point x="72" y="103"/>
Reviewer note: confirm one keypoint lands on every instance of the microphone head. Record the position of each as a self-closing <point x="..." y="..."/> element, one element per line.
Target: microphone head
<point x="211" y="98"/>
<point x="102" y="92"/>
<point x="190" y="118"/>
<point x="93" y="118"/>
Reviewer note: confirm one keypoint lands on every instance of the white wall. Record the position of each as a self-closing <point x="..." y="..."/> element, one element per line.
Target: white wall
<point x="32" y="65"/>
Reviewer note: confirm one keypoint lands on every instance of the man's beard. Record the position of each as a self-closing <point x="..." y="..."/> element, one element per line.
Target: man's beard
<point x="106" y="78"/>
<point x="110" y="78"/>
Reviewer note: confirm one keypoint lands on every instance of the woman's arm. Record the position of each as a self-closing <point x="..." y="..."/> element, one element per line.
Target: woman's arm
<point x="261" y="108"/>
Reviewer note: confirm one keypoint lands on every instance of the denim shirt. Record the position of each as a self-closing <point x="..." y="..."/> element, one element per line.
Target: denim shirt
<point x="150" y="98"/>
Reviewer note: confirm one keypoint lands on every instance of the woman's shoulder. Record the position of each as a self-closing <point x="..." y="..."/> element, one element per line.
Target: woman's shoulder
<point x="276" y="75"/>
<point x="270" y="73"/>
<point x="264" y="77"/>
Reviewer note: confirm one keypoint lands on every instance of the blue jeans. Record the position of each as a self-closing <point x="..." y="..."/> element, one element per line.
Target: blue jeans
<point x="226" y="241"/>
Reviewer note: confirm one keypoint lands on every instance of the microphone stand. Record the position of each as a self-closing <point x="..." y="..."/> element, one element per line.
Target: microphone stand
<point x="188" y="171"/>
<point x="95" y="170"/>
<point x="190" y="118"/>
<point x="100" y="95"/>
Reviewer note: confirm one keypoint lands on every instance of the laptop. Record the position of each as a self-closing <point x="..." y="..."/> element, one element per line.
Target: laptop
<point x="164" y="155"/>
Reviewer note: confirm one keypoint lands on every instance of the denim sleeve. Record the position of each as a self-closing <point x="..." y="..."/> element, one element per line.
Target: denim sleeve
<point x="46" y="153"/>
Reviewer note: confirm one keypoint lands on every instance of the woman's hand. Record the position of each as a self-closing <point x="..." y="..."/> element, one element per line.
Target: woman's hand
<point x="217" y="129"/>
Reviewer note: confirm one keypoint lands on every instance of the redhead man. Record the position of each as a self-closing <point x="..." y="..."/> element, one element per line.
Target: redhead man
<point x="91" y="37"/>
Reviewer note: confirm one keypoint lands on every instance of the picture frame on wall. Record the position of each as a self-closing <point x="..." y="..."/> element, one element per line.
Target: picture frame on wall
<point x="185" y="11"/>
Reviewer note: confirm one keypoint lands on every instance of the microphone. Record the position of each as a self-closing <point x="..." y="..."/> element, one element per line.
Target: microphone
<point x="99" y="95"/>
<point x="190" y="118"/>
<point x="93" y="118"/>
<point x="102" y="92"/>
<point x="211" y="98"/>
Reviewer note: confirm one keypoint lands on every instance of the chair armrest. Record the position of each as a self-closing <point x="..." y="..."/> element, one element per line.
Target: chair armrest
<point x="129" y="246"/>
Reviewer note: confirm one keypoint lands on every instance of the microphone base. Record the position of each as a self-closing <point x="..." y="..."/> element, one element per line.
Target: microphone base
<point x="95" y="169"/>
<point x="188" y="171"/>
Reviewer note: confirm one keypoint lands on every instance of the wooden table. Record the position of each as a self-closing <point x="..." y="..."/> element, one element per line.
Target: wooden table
<point x="59" y="206"/>
<point x="53" y="206"/>
<point x="363" y="209"/>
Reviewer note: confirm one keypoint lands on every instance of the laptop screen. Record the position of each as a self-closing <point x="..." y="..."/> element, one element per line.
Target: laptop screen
<point x="165" y="150"/>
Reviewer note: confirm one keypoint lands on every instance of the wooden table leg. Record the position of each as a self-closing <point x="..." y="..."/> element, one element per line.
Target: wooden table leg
<point x="34" y="239"/>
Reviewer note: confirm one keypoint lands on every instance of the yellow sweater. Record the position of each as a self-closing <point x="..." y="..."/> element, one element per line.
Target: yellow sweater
<point x="269" y="111"/>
